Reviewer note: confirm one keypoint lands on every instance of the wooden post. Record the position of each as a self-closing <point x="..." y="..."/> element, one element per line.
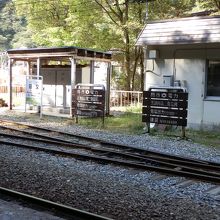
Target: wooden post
<point x="183" y="132"/>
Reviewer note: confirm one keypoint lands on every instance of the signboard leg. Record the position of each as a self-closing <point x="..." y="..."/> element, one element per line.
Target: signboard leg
<point x="148" y="128"/>
<point x="183" y="132"/>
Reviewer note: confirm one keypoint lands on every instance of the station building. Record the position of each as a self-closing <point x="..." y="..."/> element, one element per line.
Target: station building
<point x="62" y="69"/>
<point x="186" y="53"/>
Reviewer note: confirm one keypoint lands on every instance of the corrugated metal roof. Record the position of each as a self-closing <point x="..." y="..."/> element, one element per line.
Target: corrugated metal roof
<point x="193" y="30"/>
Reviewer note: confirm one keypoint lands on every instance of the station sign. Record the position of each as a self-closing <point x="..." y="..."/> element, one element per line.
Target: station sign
<point x="165" y="107"/>
<point x="34" y="91"/>
<point x="88" y="101"/>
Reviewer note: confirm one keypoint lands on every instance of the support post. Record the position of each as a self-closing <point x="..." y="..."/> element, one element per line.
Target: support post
<point x="10" y="64"/>
<point x="183" y="132"/>
<point x="28" y="68"/>
<point x="73" y="83"/>
<point x="38" y="66"/>
<point x="109" y="73"/>
<point x="92" y="70"/>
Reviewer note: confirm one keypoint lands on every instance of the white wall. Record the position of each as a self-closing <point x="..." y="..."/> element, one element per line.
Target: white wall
<point x="86" y="75"/>
<point x="200" y="111"/>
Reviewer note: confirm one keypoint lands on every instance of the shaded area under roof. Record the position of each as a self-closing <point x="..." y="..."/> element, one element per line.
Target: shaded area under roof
<point x="193" y="30"/>
<point x="58" y="52"/>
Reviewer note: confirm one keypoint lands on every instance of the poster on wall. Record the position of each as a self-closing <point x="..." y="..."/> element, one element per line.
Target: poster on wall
<point x="34" y="90"/>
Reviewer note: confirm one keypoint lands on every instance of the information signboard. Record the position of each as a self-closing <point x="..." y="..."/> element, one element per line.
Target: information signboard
<point x="89" y="100"/>
<point x="165" y="106"/>
<point x="34" y="88"/>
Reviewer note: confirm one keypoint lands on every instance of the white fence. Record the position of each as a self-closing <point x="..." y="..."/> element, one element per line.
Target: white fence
<point x="120" y="98"/>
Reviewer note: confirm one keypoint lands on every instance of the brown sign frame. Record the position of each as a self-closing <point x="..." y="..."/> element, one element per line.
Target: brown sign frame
<point x="165" y="106"/>
<point x="88" y="101"/>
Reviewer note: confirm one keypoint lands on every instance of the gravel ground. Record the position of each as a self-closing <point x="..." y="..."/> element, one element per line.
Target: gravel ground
<point x="109" y="190"/>
<point x="16" y="211"/>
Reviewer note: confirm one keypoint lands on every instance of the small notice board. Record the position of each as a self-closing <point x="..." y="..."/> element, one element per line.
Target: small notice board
<point x="165" y="106"/>
<point x="88" y="100"/>
<point x="34" y="90"/>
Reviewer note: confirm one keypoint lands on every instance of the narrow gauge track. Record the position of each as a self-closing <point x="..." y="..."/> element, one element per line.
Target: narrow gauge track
<point x="59" y="210"/>
<point x="119" y="154"/>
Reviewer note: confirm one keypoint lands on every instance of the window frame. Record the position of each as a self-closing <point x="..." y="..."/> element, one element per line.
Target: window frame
<point x="209" y="97"/>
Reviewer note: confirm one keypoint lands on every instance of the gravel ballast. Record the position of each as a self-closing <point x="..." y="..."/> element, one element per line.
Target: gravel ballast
<point x="108" y="190"/>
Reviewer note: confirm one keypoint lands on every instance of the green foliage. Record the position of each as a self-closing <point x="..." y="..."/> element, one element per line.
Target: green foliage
<point x="99" y="24"/>
<point x="127" y="123"/>
<point x="166" y="9"/>
<point x="12" y="28"/>
<point x="208" y="5"/>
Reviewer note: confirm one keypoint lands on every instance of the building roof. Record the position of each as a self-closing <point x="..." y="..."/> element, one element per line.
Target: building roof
<point x="58" y="52"/>
<point x="193" y="30"/>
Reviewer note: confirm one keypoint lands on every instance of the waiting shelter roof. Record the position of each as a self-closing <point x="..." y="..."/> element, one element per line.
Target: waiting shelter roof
<point x="58" y="53"/>
<point x="192" y="30"/>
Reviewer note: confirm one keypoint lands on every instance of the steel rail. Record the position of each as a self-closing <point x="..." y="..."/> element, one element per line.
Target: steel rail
<point x="66" y="211"/>
<point x="145" y="154"/>
<point x="187" y="172"/>
<point x="138" y="150"/>
<point x="148" y="158"/>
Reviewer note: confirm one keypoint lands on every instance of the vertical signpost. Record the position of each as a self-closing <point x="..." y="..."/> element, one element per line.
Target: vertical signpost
<point x="165" y="106"/>
<point x="89" y="101"/>
<point x="34" y="91"/>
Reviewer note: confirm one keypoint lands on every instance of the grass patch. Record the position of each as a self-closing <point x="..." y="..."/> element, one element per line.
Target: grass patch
<point x="131" y="123"/>
<point x="207" y="138"/>
<point x="126" y="123"/>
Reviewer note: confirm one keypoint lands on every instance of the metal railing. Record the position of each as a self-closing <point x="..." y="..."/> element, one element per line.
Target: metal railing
<point x="120" y="98"/>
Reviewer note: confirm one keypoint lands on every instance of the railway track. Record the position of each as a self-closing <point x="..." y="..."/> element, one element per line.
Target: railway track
<point x="66" y="212"/>
<point x="87" y="148"/>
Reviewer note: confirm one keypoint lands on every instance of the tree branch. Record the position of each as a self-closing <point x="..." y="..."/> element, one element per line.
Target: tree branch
<point x="107" y="12"/>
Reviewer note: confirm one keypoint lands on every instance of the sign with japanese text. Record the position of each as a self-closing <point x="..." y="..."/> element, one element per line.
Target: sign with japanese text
<point x="88" y="101"/>
<point x="34" y="90"/>
<point x="165" y="107"/>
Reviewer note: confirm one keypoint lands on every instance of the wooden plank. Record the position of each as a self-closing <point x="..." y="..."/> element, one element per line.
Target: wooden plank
<point x="96" y="106"/>
<point x="88" y="113"/>
<point x="165" y="95"/>
<point x="164" y="112"/>
<point x="165" y="103"/>
<point x="88" y="92"/>
<point x="164" y="120"/>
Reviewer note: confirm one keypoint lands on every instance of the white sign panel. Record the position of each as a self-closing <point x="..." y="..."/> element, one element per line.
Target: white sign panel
<point x="34" y="88"/>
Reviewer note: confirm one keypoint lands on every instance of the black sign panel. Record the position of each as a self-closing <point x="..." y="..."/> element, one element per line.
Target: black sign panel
<point x="88" y="102"/>
<point x="165" y="107"/>
<point x="165" y="112"/>
<point x="166" y="95"/>
<point x="165" y="103"/>
<point x="164" y="120"/>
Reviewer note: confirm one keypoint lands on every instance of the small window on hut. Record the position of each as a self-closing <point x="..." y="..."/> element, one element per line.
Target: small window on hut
<point x="213" y="78"/>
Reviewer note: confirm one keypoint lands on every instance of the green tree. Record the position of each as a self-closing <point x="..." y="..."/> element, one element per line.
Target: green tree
<point x="210" y="5"/>
<point x="100" y="24"/>
<point x="12" y="28"/>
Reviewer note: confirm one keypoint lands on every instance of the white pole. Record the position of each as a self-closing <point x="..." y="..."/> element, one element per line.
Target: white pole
<point x="73" y="82"/>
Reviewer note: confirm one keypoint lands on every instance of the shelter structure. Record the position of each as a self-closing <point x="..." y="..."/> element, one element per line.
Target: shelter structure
<point x="186" y="53"/>
<point x="62" y="68"/>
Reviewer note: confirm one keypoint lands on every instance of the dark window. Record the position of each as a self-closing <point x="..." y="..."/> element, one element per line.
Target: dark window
<point x="213" y="78"/>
